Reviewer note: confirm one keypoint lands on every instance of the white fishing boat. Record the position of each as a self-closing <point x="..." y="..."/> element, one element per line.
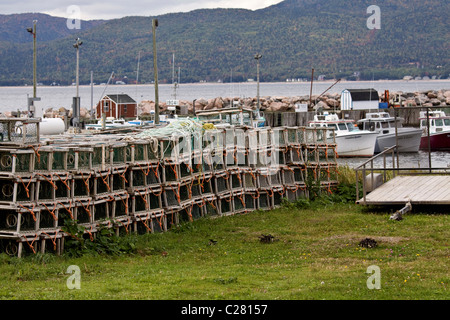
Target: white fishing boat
<point x="110" y="123"/>
<point x="232" y="117"/>
<point x="407" y="139"/>
<point x="350" y="141"/>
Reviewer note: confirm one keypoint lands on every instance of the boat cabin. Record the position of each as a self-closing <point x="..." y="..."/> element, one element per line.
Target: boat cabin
<point x="227" y="117"/>
<point x="380" y="121"/>
<point x="439" y="121"/>
<point x="332" y="121"/>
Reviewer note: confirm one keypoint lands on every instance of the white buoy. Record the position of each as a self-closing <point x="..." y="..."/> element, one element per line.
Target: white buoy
<point x="52" y="126"/>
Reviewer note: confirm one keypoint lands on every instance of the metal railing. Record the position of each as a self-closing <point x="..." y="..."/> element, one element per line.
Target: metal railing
<point x="396" y="170"/>
<point x="363" y="168"/>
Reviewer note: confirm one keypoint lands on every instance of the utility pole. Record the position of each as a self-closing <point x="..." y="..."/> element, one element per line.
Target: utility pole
<point x="310" y="90"/>
<point x="34" y="59"/>
<point x="92" y="94"/>
<point x="31" y="108"/>
<point x="155" y="67"/>
<point x="257" y="57"/>
<point x="76" y="100"/>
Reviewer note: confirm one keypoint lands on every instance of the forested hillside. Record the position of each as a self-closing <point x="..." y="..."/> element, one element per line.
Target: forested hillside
<point x="219" y="44"/>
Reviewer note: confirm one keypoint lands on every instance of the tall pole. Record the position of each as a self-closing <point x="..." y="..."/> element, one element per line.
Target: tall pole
<point x="428" y="139"/>
<point x="34" y="59"/>
<point x="92" y="93"/>
<point x="310" y="90"/>
<point x="31" y="108"/>
<point x="155" y="67"/>
<point x="76" y="102"/>
<point x="257" y="57"/>
<point x="78" y="72"/>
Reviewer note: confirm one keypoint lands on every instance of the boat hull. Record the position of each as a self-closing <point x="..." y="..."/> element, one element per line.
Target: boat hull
<point x="438" y="142"/>
<point x="408" y="141"/>
<point x="356" y="145"/>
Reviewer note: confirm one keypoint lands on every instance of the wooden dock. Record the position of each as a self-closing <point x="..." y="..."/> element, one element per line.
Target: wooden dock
<point x="428" y="189"/>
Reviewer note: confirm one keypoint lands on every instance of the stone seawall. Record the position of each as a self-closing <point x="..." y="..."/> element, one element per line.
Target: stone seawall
<point x="328" y="101"/>
<point x="280" y="104"/>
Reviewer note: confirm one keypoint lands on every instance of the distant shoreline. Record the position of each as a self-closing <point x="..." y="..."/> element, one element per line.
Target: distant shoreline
<point x="240" y="83"/>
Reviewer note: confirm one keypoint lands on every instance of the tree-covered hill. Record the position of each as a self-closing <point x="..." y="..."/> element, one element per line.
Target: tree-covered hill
<point x="293" y="37"/>
<point x="13" y="27"/>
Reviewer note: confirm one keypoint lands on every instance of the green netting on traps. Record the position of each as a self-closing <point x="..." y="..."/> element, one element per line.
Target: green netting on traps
<point x="101" y="211"/>
<point x="238" y="202"/>
<point x="250" y="200"/>
<point x="101" y="155"/>
<point x="226" y="205"/>
<point x="24" y="162"/>
<point x="42" y="162"/>
<point x="9" y="220"/>
<point x="84" y="160"/>
<point x="48" y="217"/>
<point x="211" y="207"/>
<point x="24" y="191"/>
<point x="119" y="154"/>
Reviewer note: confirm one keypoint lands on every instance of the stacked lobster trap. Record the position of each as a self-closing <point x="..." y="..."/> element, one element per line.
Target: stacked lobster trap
<point x="150" y="183"/>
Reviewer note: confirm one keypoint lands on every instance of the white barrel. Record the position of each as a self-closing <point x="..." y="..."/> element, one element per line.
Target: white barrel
<point x="52" y="126"/>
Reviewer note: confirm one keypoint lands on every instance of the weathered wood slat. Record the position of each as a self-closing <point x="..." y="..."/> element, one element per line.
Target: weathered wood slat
<point x="417" y="189"/>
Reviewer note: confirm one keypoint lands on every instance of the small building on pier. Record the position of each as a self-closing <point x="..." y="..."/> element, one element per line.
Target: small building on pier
<point x="116" y="106"/>
<point x="359" y="99"/>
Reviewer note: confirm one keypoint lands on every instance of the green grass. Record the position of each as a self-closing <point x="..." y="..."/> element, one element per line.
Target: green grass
<point x="315" y="255"/>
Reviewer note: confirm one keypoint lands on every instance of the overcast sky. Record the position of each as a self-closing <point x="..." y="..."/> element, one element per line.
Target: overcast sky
<point x="109" y="9"/>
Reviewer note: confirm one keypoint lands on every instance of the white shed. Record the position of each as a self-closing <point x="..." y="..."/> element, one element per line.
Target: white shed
<point x="359" y="99"/>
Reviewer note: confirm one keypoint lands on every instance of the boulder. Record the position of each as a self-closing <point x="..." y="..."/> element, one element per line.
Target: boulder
<point x="277" y="106"/>
<point x="408" y="95"/>
<point x="201" y="101"/>
<point x="441" y="97"/>
<point x="332" y="103"/>
<point x="447" y="94"/>
<point x="248" y="103"/>
<point x="84" y="113"/>
<point x="432" y="94"/>
<point x="321" y="105"/>
<point x="435" y="102"/>
<point x="421" y="99"/>
<point x="410" y="103"/>
<point x="218" y="103"/>
<point x="146" y="107"/>
<point x="209" y="105"/>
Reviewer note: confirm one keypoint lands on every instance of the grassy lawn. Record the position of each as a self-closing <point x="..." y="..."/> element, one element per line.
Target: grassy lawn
<point x="315" y="255"/>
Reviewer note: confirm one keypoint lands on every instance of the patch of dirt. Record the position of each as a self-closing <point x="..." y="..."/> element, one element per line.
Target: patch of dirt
<point x="368" y="243"/>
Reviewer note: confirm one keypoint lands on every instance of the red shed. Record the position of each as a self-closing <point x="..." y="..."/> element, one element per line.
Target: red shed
<point x="117" y="106"/>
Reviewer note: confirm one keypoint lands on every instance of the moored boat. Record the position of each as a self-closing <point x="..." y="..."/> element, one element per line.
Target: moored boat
<point x="109" y="123"/>
<point x="408" y="139"/>
<point x="350" y="141"/>
<point x="439" y="131"/>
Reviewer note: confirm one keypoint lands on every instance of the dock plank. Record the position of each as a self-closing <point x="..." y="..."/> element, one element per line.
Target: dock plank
<point x="416" y="189"/>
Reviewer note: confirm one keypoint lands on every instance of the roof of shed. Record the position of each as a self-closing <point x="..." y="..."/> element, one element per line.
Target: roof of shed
<point x="364" y="94"/>
<point x="120" y="98"/>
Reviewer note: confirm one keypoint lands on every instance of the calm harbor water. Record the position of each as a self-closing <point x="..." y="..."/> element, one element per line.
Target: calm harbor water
<point x="419" y="160"/>
<point x="15" y="98"/>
